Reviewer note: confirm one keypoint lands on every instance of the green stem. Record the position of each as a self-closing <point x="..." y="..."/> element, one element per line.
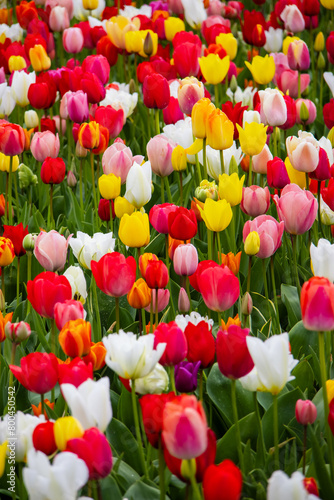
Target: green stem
<point x="93" y="182"/>
<point x="181" y="188"/>
<point x="219" y="247"/>
<point x="205" y="173"/>
<point x="162" y="190"/>
<point x="319" y="210"/>
<point x="53" y="336"/>
<point x="304" y="448"/>
<point x="294" y="254"/>
<point x="236" y="421"/>
<point x="272" y="270"/>
<point x="18" y="282"/>
<point x="3" y="286"/>
<point x="12" y="361"/>
<point x="275" y="141"/>
<point x="111" y="217"/>
<point x="51" y="226"/>
<point x="161" y="472"/>
<point x="188" y="293"/>
<point x="157" y="122"/>
<point x="262" y="450"/>
<point x="275" y="423"/>
<point x="198" y="169"/>
<point x="250" y="172"/>
<point x="137" y="428"/>
<point x="249" y="273"/>
<point x="209" y="233"/>
<point x="322" y="360"/>
<point x="200" y="385"/>
<point x="169" y="194"/>
<point x="29" y="256"/>
<point x="42" y="404"/>
<point x="10" y="215"/>
<point x="151" y="313"/>
<point x="172" y="378"/>
<point x="143" y="320"/>
<point x="117" y="313"/>
<point x="222" y="164"/>
<point x="196" y="493"/>
<point x="264" y="272"/>
<point x="156" y="308"/>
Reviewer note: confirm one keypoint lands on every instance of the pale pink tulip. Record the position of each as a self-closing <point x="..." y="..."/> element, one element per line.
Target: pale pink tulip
<point x="59" y="19"/>
<point x="44" y="144"/>
<point x="260" y="161"/>
<point x="273" y="109"/>
<point x="297" y="208"/>
<point x="73" y="40"/>
<point x="51" y="250"/>
<point x="287" y="82"/>
<point x="68" y="311"/>
<point x="159" y="152"/>
<point x="117" y="159"/>
<point x="185" y="260"/>
<point x="303" y="152"/>
<point x="255" y="200"/>
<point x="163" y="299"/>
<point x="270" y="232"/>
<point x="293" y="19"/>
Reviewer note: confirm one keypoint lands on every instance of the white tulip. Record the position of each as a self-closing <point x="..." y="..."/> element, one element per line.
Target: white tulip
<point x="86" y="248"/>
<point x="273" y="108"/>
<point x="77" y="280"/>
<point x="194" y="12"/>
<point x="282" y="486"/>
<point x="155" y="382"/>
<point x="7" y="103"/>
<point x="274" y="40"/>
<point x="181" y="133"/>
<point x="24" y="428"/>
<point x="139" y="184"/>
<point x="322" y="257"/>
<point x="20" y="85"/>
<point x="194" y="318"/>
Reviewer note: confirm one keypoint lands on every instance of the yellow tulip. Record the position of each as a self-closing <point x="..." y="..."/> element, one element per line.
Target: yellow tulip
<point x="16" y="63"/>
<point x="252" y="138"/>
<point x="134" y="230"/>
<point x="230" y="188"/>
<point x="195" y="147"/>
<point x="262" y="69"/>
<point x="123" y="206"/>
<point x="295" y="176"/>
<point x="179" y="158"/>
<point x="134" y="42"/>
<point x="118" y="26"/>
<point x="286" y="42"/>
<point x="199" y="116"/>
<point x="213" y="68"/>
<point x="328" y="4"/>
<point x="7" y="253"/>
<point x="229" y="43"/>
<point x="216" y="214"/>
<point x="173" y="25"/>
<point x="109" y="186"/>
<point x="220" y="130"/>
<point x="252" y="243"/>
<point x="5" y="161"/>
<point x="319" y="42"/>
<point x="39" y="59"/>
<point x="66" y="428"/>
<point x="90" y="4"/>
<point x="330" y="390"/>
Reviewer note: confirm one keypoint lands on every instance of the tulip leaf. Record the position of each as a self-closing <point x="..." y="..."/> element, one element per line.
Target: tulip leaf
<point x="304" y="377"/>
<point x="141" y="491"/>
<point x="110" y="489"/>
<point x="226" y="446"/>
<point x="124" y="475"/>
<point x="122" y="440"/>
<point x="219" y="391"/>
<point x="325" y="482"/>
<point x="124" y="409"/>
<point x="40" y="330"/>
<point x="156" y="244"/>
<point x="291" y="301"/>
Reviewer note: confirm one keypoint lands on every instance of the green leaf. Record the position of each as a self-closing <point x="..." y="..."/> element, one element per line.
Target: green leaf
<point x="325" y="482"/>
<point x="226" y="446"/>
<point x="122" y="440"/>
<point x="125" y="476"/>
<point x="142" y="491"/>
<point x="219" y="391"/>
<point x="110" y="489"/>
<point x="291" y="301"/>
<point x="304" y="377"/>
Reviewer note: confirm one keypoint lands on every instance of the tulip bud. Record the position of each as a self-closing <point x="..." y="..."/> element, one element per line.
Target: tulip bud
<point x="2" y="302"/>
<point x="17" y="332"/>
<point x="31" y="119"/>
<point x="206" y="190"/>
<point x="321" y="63"/>
<point x="26" y="177"/>
<point x="233" y="84"/>
<point x="319" y="42"/>
<point x="29" y="242"/>
<point x="188" y="468"/>
<point x="233" y="166"/>
<point x="252" y="243"/>
<point x="304" y="113"/>
<point x="148" y="45"/>
<point x="71" y="179"/>
<point x="132" y="86"/>
<point x="66" y="428"/>
<point x="80" y="151"/>
<point x="247" y="304"/>
<point x="306" y="412"/>
<point x="183" y="303"/>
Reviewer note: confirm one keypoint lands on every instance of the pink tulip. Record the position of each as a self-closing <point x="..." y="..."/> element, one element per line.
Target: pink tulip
<point x="77" y="106"/>
<point x="306" y="412"/>
<point x="273" y="109"/>
<point x="287" y="82"/>
<point x="44" y="144"/>
<point x="68" y="311"/>
<point x="219" y="287"/>
<point x="159" y="216"/>
<point x="303" y="152"/>
<point x="58" y="19"/>
<point x="73" y="40"/>
<point x="159" y="152"/>
<point x="215" y="8"/>
<point x="163" y="299"/>
<point x="185" y="427"/>
<point x="51" y="250"/>
<point x="68" y="4"/>
<point x="270" y="232"/>
<point x="183" y="302"/>
<point x="293" y="19"/>
<point x="190" y="91"/>
<point x="298" y="55"/>
<point x="175" y="6"/>
<point x="297" y="208"/>
<point x="255" y="200"/>
<point x="117" y="159"/>
<point x="185" y="260"/>
<point x="176" y="343"/>
<point x="311" y="110"/>
<point x="98" y="65"/>
<point x="260" y="161"/>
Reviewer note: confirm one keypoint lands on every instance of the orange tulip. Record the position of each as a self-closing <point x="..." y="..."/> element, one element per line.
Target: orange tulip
<point x="199" y="117"/>
<point x="231" y="321"/>
<point x="37" y="410"/>
<point x="96" y="356"/>
<point x="231" y="261"/>
<point x="75" y="338"/>
<point x="3" y="322"/>
<point x="140" y="294"/>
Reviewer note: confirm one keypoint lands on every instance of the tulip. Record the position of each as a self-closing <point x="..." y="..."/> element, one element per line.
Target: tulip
<point x="75" y="372"/>
<point x="273" y="107"/>
<point x="172" y="26"/>
<point x="280" y="484"/>
<point x="220" y="130"/>
<point x="94" y="449"/>
<point x="163" y="300"/>
<point x="75" y="338"/>
<point x="172" y="113"/>
<point x="154" y="383"/>
<point x="182" y="224"/>
<point x="175" y="340"/>
<point x="156" y="274"/>
<point x="66" y="428"/>
<point x="214" y="69"/>
<point x="189" y="92"/>
<point x="76" y="278"/>
<point x="96" y="356"/>
<point x="316" y="302"/>
<point x="252" y="243"/>
<point x="255" y="200"/>
<point x="15" y="332"/>
<point x="134" y="229"/>
<point x="53" y="170"/>
<point x="277" y="175"/>
<point x="38" y="372"/>
<point x="118" y="26"/>
<point x="185" y="260"/>
<point x="230" y="188"/>
<point x="216" y="214"/>
<point x="270" y="232"/>
<point x="159" y="152"/>
<point x="43" y="438"/>
<point x="39" y="59"/>
<point x="111" y="118"/>
<point x="144" y="260"/>
<point x="107" y="271"/>
<point x="67" y="466"/>
<point x="186" y="57"/>
<point x="46" y="290"/>
<point x="159" y="216"/>
<point x="129" y="357"/>
<point x="7" y="253"/>
<point x="183" y="302"/>
<point x="86" y="248"/>
<point x="73" y="40"/>
<point x="225" y="477"/>
<point x="299" y="219"/>
<point x="12" y="139"/>
<point x="118" y="159"/>
<point x="252" y="138"/>
<point x="58" y="19"/>
<point x="68" y="311"/>
<point x="138" y="184"/>
<point x="322" y="257"/>
<point x="89" y="402"/>
<point x="152" y="407"/>
<point x="298" y="56"/>
<point x="89" y="135"/>
<point x="219" y="288"/>
<point x="303" y="152"/>
<point x="292" y="18"/>
<point x="98" y="65"/>
<point x="21" y="82"/>
<point x="306" y="412"/>
<point x="229" y="43"/>
<point x="109" y="186"/>
<point x="156" y="93"/>
<point x="186" y="413"/>
<point x="231" y="261"/>
<point x="199" y="116"/>
<point x="139" y="296"/>
<point x="262" y="69"/>
<point x="186" y="376"/>
<point x="234" y="360"/>
<point x="306" y="111"/>
<point x="51" y="250"/>
<point x="44" y="144"/>
<point x="77" y="106"/>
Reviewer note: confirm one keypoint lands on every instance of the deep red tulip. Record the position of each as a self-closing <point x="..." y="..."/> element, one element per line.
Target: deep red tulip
<point x="234" y="360"/>
<point x="186" y="37"/>
<point x="186" y="59"/>
<point x="108" y="270"/>
<point x="330" y="47"/>
<point x="182" y="224"/>
<point x="156" y="274"/>
<point x="176" y="348"/>
<point x="225" y="478"/>
<point x="38" y="372"/>
<point x="311" y="8"/>
<point x="12" y="139"/>
<point x="53" y="170"/>
<point x="104" y="209"/>
<point x="43" y="438"/>
<point x="323" y="170"/>
<point x="93" y="87"/>
<point x="328" y="113"/>
<point x="16" y="234"/>
<point x="94" y="449"/>
<point x="252" y="20"/>
<point x="34" y="39"/>
<point x="143" y="69"/>
<point x="76" y="372"/>
<point x="46" y="290"/>
<point x="156" y="93"/>
<point x="331" y="416"/>
<point x="152" y="407"/>
<point x="327" y="194"/>
<point x="291" y="113"/>
<point x="277" y="175"/>
<point x="201" y="343"/>
<point x="219" y="287"/>
<point x="111" y="118"/>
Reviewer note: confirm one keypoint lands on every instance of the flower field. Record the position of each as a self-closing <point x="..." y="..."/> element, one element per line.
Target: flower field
<point x="166" y="250"/>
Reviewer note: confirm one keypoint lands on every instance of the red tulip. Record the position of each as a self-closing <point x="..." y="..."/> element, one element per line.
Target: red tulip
<point x="330" y="47"/>
<point x="16" y="234"/>
<point x="291" y="113"/>
<point x="43" y="438"/>
<point x="172" y="113"/>
<point x="186" y="59"/>
<point x="46" y="290"/>
<point x="327" y="194"/>
<point x="194" y="278"/>
<point x="94" y="449"/>
<point x="38" y="372"/>
<point x="104" y="209"/>
<point x="317" y="304"/>
<point x="156" y="93"/>
<point x="176" y="348"/>
<point x="219" y="287"/>
<point x="93" y="87"/>
<point x="26" y="12"/>
<point x="152" y="407"/>
<point x="225" y="478"/>
<point x="331" y="416"/>
<point x="156" y="274"/>
<point x="107" y="272"/>
<point x="277" y="174"/>
<point x="76" y="372"/>
<point x="106" y="48"/>
<point x="182" y="224"/>
<point x="53" y="170"/>
<point x="201" y="343"/>
<point x="234" y="360"/>
<point x="252" y="20"/>
<point x="12" y="139"/>
<point x="235" y="114"/>
<point x="111" y="118"/>
<point x="328" y="113"/>
<point x="98" y="65"/>
<point x="159" y="216"/>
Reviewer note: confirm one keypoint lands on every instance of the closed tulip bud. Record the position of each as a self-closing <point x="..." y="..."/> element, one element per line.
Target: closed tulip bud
<point x="71" y="179"/>
<point x="233" y="84"/>
<point x="2" y="302"/>
<point x="31" y="119"/>
<point x="29" y="242"/>
<point x="134" y="229"/>
<point x="17" y="332"/>
<point x="39" y="59"/>
<point x="185" y="260"/>
<point x="220" y="130"/>
<point x="139" y="296"/>
<point x="306" y="111"/>
<point x="252" y="243"/>
<point x="66" y="428"/>
<point x="75" y="338"/>
<point x="321" y="63"/>
<point x="183" y="303"/>
<point x="148" y="47"/>
<point x="230" y="188"/>
<point x="179" y="158"/>
<point x="109" y="186"/>
<point x="319" y="42"/>
<point x="247" y="304"/>
<point x="306" y="412"/>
